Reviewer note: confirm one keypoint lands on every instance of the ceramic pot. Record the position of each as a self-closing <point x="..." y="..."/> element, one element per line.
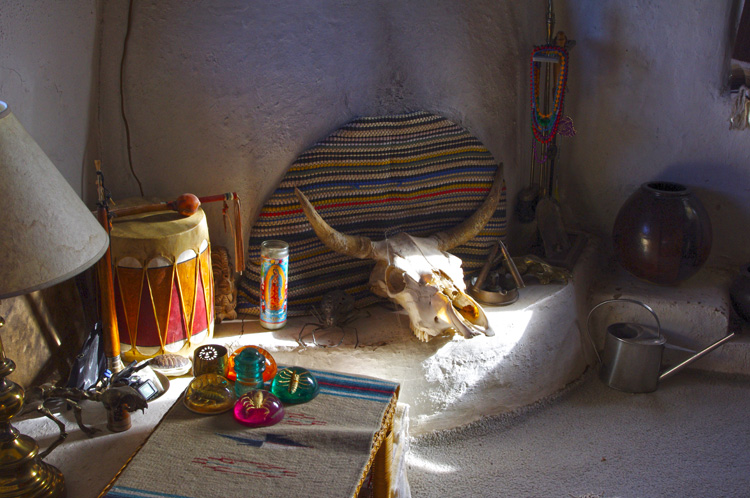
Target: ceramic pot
<point x="662" y="233"/>
<point x="739" y="292"/>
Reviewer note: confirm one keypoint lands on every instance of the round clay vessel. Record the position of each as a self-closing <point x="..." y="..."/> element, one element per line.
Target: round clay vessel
<point x="662" y="233"/>
<point x="739" y="292"/>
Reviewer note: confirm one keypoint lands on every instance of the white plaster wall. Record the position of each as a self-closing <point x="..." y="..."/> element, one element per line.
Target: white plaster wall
<point x="223" y="95"/>
<point x="48" y="58"/>
<point x="47" y="76"/>
<point x="648" y="94"/>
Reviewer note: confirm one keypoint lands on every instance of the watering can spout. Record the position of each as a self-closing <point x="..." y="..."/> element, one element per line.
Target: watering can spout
<point x="700" y="354"/>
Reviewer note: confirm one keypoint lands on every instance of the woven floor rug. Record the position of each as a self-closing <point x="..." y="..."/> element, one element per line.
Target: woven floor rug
<point x="320" y="448"/>
<point x="376" y="176"/>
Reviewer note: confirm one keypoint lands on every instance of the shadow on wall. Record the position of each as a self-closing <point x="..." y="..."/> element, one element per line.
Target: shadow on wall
<point x="43" y="333"/>
<point x="597" y="61"/>
<point x="225" y="97"/>
<point x="648" y="106"/>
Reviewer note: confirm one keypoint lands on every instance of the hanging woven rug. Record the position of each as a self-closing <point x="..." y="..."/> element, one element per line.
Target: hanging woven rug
<point x="376" y="176"/>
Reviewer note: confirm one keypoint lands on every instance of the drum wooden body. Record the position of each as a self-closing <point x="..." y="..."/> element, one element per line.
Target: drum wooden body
<point x="164" y="289"/>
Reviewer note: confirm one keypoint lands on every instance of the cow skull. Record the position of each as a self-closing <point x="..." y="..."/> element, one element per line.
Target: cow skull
<point x="417" y="272"/>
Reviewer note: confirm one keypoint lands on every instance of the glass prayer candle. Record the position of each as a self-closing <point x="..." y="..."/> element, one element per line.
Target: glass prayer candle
<point x="274" y="266"/>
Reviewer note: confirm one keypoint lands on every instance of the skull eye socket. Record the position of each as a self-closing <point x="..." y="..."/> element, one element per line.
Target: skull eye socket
<point x="394" y="280"/>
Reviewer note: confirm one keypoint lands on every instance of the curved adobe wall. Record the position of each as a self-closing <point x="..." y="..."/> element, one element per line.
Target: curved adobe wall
<point x="224" y="96"/>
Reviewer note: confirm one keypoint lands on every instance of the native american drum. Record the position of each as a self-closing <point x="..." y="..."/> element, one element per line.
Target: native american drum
<point x="164" y="290"/>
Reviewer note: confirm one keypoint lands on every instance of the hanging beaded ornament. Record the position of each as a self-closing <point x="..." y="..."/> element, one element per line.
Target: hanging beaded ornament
<point x="543" y="125"/>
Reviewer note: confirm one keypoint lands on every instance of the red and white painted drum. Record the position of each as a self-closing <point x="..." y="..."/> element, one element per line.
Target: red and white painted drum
<point x="164" y="290"/>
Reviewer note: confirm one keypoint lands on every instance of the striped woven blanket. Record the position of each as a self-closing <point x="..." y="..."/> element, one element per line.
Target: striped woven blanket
<point x="322" y="448"/>
<point x="376" y="176"/>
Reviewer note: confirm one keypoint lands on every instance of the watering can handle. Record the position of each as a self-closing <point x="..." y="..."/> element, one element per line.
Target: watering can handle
<point x="617" y="300"/>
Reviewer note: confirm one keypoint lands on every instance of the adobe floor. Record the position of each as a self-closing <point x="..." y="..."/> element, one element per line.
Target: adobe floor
<point x="689" y="438"/>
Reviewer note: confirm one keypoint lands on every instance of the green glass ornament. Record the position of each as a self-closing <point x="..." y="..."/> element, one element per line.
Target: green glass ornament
<point x="249" y="366"/>
<point x="294" y="385"/>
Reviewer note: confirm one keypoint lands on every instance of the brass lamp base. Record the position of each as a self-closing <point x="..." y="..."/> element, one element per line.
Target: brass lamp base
<point x="22" y="472"/>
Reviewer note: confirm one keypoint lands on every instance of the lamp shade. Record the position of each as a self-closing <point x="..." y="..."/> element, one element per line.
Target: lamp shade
<point x="47" y="234"/>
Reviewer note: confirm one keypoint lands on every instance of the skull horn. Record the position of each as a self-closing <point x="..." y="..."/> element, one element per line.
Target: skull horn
<point x="467" y="229"/>
<point x="351" y="245"/>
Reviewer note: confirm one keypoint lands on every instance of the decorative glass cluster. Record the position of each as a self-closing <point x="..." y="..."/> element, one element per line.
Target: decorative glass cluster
<point x="251" y="368"/>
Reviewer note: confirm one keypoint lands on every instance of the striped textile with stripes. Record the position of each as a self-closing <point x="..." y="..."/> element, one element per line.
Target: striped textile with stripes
<point x="376" y="176"/>
<point x="352" y="386"/>
<point x="320" y="448"/>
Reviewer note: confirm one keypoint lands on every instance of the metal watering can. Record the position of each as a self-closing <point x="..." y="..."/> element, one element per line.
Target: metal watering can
<point x="631" y="359"/>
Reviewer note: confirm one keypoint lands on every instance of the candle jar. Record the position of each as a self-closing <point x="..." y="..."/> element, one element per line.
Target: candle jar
<point x="274" y="265"/>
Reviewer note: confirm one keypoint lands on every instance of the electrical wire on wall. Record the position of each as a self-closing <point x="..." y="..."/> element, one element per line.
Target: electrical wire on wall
<point x="122" y="94"/>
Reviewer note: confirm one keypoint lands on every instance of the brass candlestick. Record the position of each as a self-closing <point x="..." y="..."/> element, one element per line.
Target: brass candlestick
<point x="22" y="472"/>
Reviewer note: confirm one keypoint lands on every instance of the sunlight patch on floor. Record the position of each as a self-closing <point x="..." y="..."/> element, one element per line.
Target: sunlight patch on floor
<point x="428" y="466"/>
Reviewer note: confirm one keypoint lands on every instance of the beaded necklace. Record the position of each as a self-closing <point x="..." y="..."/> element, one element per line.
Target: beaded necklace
<point x="543" y="125"/>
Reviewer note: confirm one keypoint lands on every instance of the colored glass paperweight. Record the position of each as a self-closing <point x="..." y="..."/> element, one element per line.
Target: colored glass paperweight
<point x="268" y="374"/>
<point x="209" y="394"/>
<point x="249" y="366"/>
<point x="294" y="385"/>
<point x="209" y="358"/>
<point x="258" y="408"/>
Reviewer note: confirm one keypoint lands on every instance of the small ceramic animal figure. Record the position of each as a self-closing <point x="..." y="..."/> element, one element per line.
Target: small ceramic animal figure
<point x="225" y="292"/>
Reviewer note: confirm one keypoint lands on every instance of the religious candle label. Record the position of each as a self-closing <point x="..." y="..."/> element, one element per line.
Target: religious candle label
<point x="274" y="264"/>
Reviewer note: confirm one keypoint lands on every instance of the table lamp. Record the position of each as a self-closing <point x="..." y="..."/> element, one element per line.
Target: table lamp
<point x="48" y="236"/>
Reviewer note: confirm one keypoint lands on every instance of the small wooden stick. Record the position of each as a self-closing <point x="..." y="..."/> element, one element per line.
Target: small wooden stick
<point x="239" y="251"/>
<point x="186" y="205"/>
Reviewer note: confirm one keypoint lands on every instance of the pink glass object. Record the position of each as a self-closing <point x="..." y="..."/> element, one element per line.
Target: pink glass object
<point x="258" y="408"/>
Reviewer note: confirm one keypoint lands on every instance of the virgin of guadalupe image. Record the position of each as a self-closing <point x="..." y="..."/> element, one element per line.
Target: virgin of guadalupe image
<point x="274" y="289"/>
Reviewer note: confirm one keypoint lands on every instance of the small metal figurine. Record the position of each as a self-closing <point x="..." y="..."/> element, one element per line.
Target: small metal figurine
<point x="544" y="272"/>
<point x="119" y="401"/>
<point x="490" y="286"/>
